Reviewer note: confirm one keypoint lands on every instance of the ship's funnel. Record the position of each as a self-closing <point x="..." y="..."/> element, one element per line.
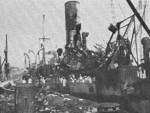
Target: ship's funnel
<point x="72" y="19"/>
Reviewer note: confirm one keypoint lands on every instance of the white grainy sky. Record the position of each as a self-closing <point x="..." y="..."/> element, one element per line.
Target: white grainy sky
<point x="22" y="21"/>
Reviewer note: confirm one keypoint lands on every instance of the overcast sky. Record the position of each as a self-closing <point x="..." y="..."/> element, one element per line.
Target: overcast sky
<point x="22" y="21"/>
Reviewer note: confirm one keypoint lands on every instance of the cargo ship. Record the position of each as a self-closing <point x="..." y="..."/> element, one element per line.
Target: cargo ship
<point x="105" y="76"/>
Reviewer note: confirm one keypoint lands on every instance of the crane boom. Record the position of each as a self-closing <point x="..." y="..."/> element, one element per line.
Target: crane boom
<point x="139" y="17"/>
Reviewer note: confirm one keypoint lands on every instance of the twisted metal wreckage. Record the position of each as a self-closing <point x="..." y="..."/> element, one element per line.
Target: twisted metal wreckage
<point x="116" y="78"/>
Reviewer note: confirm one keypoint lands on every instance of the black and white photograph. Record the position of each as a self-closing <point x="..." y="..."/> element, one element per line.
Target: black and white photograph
<point x="74" y="56"/>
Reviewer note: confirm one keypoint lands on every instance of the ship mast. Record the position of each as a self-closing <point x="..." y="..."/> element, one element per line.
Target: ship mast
<point x="43" y="39"/>
<point x="6" y="59"/>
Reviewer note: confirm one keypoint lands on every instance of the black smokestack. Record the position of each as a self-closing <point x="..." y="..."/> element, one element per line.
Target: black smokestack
<point x="72" y="19"/>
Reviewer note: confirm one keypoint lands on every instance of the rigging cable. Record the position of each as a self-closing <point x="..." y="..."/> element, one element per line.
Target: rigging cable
<point x="139" y="31"/>
<point x="136" y="46"/>
<point x="143" y="16"/>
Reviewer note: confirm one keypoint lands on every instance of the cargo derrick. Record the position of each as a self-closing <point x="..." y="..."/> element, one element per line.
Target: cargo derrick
<point x="117" y="70"/>
<point x="145" y="41"/>
<point x="141" y="94"/>
<point x="118" y="80"/>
